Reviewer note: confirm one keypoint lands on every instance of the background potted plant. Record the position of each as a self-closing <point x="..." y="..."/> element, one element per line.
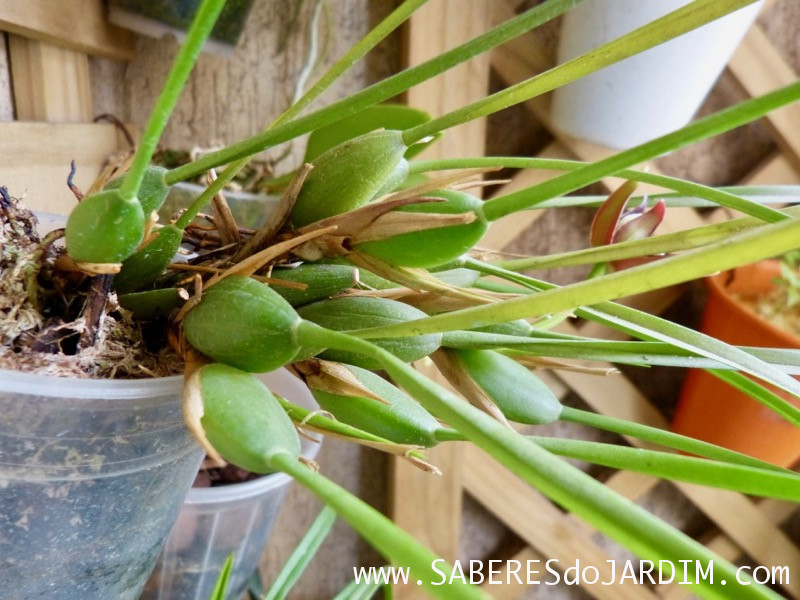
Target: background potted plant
<point x="235" y="324"/>
<point x="752" y="305"/>
<point x="634" y="101"/>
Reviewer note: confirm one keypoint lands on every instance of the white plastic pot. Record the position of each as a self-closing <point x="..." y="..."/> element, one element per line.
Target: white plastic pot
<point x="647" y="95"/>
<point x="234" y="519"/>
<point x="92" y="476"/>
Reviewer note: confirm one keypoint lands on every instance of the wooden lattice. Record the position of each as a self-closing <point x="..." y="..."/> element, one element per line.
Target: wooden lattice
<point x="741" y="526"/>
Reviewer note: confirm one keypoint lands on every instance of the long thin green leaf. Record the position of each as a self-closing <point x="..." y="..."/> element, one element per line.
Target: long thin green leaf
<point x="302" y="555"/>
<point x="199" y="30"/>
<point x="648" y="327"/>
<point x="769" y="240"/>
<point x="644" y="534"/>
<point x="677" y="241"/>
<point x="764" y="195"/>
<point x="747" y="480"/>
<point x="388" y="88"/>
<point x="221" y="585"/>
<point x="627" y="353"/>
<point x="358" y="591"/>
<point x="665" y="28"/>
<point x="719" y="196"/>
<point x="663" y="437"/>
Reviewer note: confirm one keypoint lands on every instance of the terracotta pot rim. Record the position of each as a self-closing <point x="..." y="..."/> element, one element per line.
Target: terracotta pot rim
<point x="717" y="287"/>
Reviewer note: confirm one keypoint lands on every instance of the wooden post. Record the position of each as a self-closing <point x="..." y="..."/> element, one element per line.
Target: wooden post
<point x="426" y="506"/>
<point x="51" y="83"/>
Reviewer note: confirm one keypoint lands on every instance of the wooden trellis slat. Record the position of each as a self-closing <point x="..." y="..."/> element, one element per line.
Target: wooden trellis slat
<point x="51" y="83"/>
<point x="760" y="68"/>
<point x="52" y="95"/>
<point x="416" y="491"/>
<point x="36" y="160"/>
<point x="79" y="25"/>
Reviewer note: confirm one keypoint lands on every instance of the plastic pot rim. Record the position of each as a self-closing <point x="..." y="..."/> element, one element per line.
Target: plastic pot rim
<point x="36" y="384"/>
<point x="240" y="195"/>
<point x="717" y="286"/>
<point x="249" y="489"/>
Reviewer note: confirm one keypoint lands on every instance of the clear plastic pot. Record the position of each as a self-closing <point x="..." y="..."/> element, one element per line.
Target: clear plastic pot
<point x="249" y="210"/>
<point x="234" y="519"/>
<point x="92" y="476"/>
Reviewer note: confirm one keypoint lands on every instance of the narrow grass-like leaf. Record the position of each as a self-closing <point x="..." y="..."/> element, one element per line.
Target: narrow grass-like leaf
<point x="358" y="591"/>
<point x="718" y="196"/>
<point x="221" y="586"/>
<point x="378" y="92"/>
<point x="663" y="437"/>
<point x="302" y="555"/>
<point x="738" y="478"/>
<point x="629" y="353"/>
<point x="643" y="533"/>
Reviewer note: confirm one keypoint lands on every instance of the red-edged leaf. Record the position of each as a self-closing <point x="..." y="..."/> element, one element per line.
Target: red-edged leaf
<point x="607" y="216"/>
<point x="642" y="225"/>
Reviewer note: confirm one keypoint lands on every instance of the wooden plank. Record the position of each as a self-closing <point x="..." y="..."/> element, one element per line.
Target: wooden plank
<point x="503" y="231"/>
<point x="512" y="588"/>
<point x="35" y="160"/>
<point x="50" y="83"/>
<point x="76" y="24"/>
<point x="428" y="507"/>
<point x="776" y="170"/>
<point x="539" y="523"/>
<point x="468" y="82"/>
<point x="760" y="68"/>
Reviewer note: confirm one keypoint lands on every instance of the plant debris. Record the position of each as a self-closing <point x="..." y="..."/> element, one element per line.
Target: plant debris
<point x="42" y="316"/>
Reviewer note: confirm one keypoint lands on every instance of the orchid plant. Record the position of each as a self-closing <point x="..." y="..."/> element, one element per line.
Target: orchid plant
<point x="368" y="264"/>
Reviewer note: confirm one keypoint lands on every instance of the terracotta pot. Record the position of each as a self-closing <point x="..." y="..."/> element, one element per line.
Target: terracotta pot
<point x="710" y="409"/>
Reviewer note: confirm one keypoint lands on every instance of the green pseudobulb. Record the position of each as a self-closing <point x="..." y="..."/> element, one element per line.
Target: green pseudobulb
<point x="349" y="176"/>
<point x="357" y="312"/>
<point x="402" y="420"/>
<point x="104" y="228"/>
<point x="433" y="247"/>
<point x="243" y="420"/>
<point x="145" y="265"/>
<point x="244" y="324"/>
<point x="519" y="394"/>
